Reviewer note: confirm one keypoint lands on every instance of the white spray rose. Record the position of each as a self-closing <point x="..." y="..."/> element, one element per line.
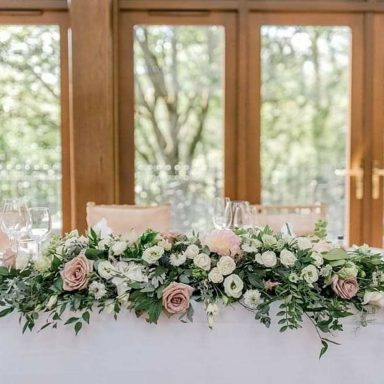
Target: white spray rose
<point x="177" y="259"/>
<point x="310" y="274"/>
<point x="287" y="258"/>
<point x="374" y="298"/>
<point x="97" y="289"/>
<point x="268" y="259"/>
<point x="153" y="254"/>
<point x="252" y="298"/>
<point x="202" y="261"/>
<point x="233" y="286"/>
<point x="119" y="247"/>
<point x="303" y="243"/>
<point x="226" y="265"/>
<point x="105" y="269"/>
<point x="215" y="276"/>
<point x="192" y="251"/>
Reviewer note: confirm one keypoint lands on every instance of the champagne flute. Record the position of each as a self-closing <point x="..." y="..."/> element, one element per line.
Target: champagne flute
<point x="222" y="214"/>
<point x="41" y="224"/>
<point x="15" y="220"/>
<point x="241" y="214"/>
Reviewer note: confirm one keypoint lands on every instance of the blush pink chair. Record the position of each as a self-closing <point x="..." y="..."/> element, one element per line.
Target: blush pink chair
<point x="125" y="218"/>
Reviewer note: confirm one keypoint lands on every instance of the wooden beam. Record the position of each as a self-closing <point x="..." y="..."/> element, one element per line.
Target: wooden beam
<point x="92" y="106"/>
<point x="47" y="5"/>
<point x="141" y="5"/>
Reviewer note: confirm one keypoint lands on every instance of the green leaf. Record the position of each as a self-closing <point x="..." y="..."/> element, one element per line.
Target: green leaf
<point x="6" y="311"/>
<point x="56" y="263"/>
<point x="85" y="317"/>
<point x="78" y="326"/>
<point x="336" y="254"/>
<point x="155" y="311"/>
<point x="4" y="271"/>
<point x="58" y="284"/>
<point x="71" y="320"/>
<point x="324" y="348"/>
<point x="95" y="254"/>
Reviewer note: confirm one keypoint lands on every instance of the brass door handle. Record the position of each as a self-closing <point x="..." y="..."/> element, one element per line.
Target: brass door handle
<point x="376" y="173"/>
<point x="358" y="174"/>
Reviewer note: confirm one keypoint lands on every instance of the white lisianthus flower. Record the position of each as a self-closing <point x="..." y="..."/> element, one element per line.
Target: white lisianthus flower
<point x="317" y="259"/>
<point x="215" y="276"/>
<point x="153" y="254"/>
<point x="293" y="277"/>
<point x="310" y="274"/>
<point x="51" y="302"/>
<point x="97" y="289"/>
<point x="203" y="261"/>
<point x="269" y="241"/>
<point x="129" y="237"/>
<point x="105" y="269"/>
<point x="374" y="298"/>
<point x="233" y="286"/>
<point x="42" y="263"/>
<point x="165" y="244"/>
<point x="268" y="259"/>
<point x="248" y="247"/>
<point x="258" y="258"/>
<point x="226" y="265"/>
<point x="137" y="272"/>
<point x="252" y="298"/>
<point x="287" y="258"/>
<point x="119" y="247"/>
<point x="192" y="251"/>
<point x="303" y="243"/>
<point x="177" y="259"/>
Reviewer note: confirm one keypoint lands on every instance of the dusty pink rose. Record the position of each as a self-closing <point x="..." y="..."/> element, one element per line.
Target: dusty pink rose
<point x="176" y="297"/>
<point x="75" y="273"/>
<point x="270" y="285"/>
<point x="223" y="242"/>
<point x="345" y="288"/>
<point x="9" y="258"/>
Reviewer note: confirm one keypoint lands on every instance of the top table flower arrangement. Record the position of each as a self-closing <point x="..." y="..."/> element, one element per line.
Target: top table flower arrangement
<point x="308" y="277"/>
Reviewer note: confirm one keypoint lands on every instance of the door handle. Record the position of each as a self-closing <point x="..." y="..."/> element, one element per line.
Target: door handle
<point x="358" y="174"/>
<point x="376" y="173"/>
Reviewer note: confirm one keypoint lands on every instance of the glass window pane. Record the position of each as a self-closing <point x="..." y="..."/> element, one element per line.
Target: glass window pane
<point x="305" y="119"/>
<point x="30" y="147"/>
<point x="179" y="79"/>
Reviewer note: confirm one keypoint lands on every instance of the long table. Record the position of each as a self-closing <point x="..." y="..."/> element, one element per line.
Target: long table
<point x="237" y="350"/>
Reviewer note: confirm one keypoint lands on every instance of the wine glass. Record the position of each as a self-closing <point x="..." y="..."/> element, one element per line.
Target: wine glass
<point x="242" y="217"/>
<point x="41" y="224"/>
<point x="222" y="214"/>
<point x="15" y="220"/>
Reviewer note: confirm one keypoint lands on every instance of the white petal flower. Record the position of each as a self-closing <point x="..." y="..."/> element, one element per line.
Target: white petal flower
<point x="303" y="243"/>
<point x="269" y="241"/>
<point x="226" y="265"/>
<point x="293" y="277"/>
<point x="317" y="259"/>
<point x="42" y="263"/>
<point x="192" y="251"/>
<point x="202" y="261"/>
<point x="268" y="259"/>
<point x="105" y="269"/>
<point x="51" y="302"/>
<point x="310" y="274"/>
<point x="165" y="244"/>
<point x="374" y="298"/>
<point x="119" y="247"/>
<point x="97" y="289"/>
<point x="153" y="254"/>
<point x="252" y="298"/>
<point x="177" y="259"/>
<point x="215" y="276"/>
<point x="233" y="286"/>
<point x="22" y="260"/>
<point x="103" y="244"/>
<point x="287" y="258"/>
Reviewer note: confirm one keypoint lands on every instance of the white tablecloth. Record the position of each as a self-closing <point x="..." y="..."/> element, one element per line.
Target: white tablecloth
<point x="237" y="350"/>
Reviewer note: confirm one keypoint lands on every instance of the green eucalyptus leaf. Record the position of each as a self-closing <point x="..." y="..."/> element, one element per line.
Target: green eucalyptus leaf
<point x="336" y="254"/>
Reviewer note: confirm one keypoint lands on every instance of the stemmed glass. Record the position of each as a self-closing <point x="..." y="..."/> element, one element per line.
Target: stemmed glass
<point x="242" y="217"/>
<point x="222" y="213"/>
<point x="40" y="225"/>
<point x="15" y="220"/>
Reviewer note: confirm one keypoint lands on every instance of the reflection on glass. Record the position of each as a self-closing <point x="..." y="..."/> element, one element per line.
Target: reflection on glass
<point x="30" y="148"/>
<point x="305" y="124"/>
<point x="179" y="73"/>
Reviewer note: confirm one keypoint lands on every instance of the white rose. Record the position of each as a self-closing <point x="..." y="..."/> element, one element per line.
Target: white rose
<point x="317" y="259"/>
<point x="97" y="289"/>
<point x="215" y="276"/>
<point x="233" y="286"/>
<point x="22" y="260"/>
<point x="192" y="251"/>
<point x="268" y="240"/>
<point x="105" y="269"/>
<point x="310" y="274"/>
<point x="374" y="298"/>
<point x="287" y="258"/>
<point x="226" y="265"/>
<point x="165" y="244"/>
<point x="252" y="298"/>
<point x="119" y="247"/>
<point x="303" y="243"/>
<point x="202" y="261"/>
<point x="153" y="254"/>
<point x="42" y="263"/>
<point x="268" y="259"/>
<point x="177" y="259"/>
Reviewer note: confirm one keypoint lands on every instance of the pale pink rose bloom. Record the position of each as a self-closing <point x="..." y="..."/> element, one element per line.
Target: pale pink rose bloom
<point x="223" y="242"/>
<point x="9" y="258"/>
<point x="75" y="273"/>
<point x="345" y="288"/>
<point x="176" y="297"/>
<point x="269" y="285"/>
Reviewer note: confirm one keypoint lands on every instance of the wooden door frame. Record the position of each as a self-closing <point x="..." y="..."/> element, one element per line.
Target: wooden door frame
<point x="126" y="152"/>
<point x="357" y="139"/>
<point x="59" y="19"/>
